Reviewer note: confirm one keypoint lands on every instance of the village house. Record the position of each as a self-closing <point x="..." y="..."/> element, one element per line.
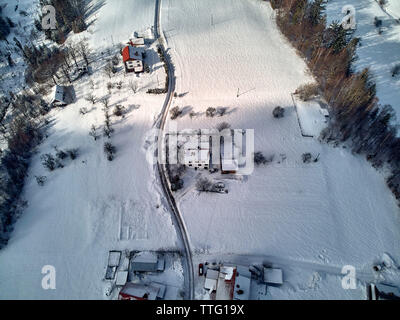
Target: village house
<point x="197" y="152"/>
<point x="132" y="57"/>
<point x="59" y="96"/>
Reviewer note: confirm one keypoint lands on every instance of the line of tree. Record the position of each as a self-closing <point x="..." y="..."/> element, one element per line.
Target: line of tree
<point x="357" y="117"/>
<point x="22" y="133"/>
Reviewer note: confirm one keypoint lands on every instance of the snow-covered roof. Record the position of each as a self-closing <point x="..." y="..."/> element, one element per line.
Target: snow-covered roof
<point x="212" y="274"/>
<point x="58" y="93"/>
<point x="137" y="41"/>
<point x="227" y="272"/>
<point x="136" y="53"/>
<point x="145" y="257"/>
<point x="242" y="283"/>
<point x="210" y="284"/>
<point x="273" y="276"/>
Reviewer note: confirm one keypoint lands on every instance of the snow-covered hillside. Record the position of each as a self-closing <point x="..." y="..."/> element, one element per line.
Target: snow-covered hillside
<point x="379" y="52"/>
<point x="84" y="208"/>
<point x="337" y="211"/>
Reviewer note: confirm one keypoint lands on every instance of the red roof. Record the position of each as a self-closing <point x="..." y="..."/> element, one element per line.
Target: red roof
<point x="125" y="54"/>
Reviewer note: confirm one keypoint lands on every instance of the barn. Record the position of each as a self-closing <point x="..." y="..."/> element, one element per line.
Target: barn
<point x="132" y="57"/>
<point x="59" y="96"/>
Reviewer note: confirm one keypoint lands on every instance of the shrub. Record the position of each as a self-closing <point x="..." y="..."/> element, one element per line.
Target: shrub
<point x="192" y="114"/>
<point x="260" y="159"/>
<point x="175" y="112"/>
<point x="40" y="180"/>
<point x="83" y="111"/>
<point x="91" y="98"/>
<point x="48" y="161"/>
<point x="306" y="157"/>
<point x="72" y="153"/>
<point x="204" y="184"/>
<point x="278" y="112"/>
<point x="60" y="154"/>
<point x="210" y="112"/>
<point x="307" y="91"/>
<point x="223" y="125"/>
<point x="119" y="111"/>
<point x="93" y="132"/>
<point x="221" y="111"/>
<point x="396" y="70"/>
<point x="109" y="150"/>
<point x="377" y="22"/>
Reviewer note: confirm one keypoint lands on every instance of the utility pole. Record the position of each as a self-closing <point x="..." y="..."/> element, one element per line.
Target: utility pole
<point x="237" y="93"/>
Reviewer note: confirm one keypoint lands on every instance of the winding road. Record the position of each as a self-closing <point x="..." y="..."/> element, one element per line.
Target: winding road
<point x="176" y="215"/>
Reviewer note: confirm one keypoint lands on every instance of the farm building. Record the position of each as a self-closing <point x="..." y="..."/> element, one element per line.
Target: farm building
<point x="273" y="276"/>
<point x="242" y="284"/>
<point x="132" y="57"/>
<point x="197" y="152"/>
<point x="59" y="96"/>
<point x="139" y="291"/>
<point x="147" y="262"/>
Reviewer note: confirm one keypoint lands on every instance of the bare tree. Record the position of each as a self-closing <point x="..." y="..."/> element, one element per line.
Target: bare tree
<point x="133" y="86"/>
<point x="91" y="98"/>
<point x="84" y="51"/>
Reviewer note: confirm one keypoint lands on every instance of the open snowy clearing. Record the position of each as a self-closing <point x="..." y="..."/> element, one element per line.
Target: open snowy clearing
<point x="92" y="205"/>
<point x="337" y="211"/>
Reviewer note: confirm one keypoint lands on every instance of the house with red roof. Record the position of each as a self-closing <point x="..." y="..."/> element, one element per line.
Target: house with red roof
<point x="132" y="57"/>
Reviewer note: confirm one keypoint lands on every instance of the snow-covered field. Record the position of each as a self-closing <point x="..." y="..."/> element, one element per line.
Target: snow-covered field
<point x="77" y="216"/>
<point x="379" y="52"/>
<point x="310" y="219"/>
<point x="337" y="211"/>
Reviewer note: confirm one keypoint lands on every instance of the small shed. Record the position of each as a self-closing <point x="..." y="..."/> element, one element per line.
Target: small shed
<point x="59" y="96"/>
<point x="136" y="41"/>
<point x="145" y="262"/>
<point x="273" y="276"/>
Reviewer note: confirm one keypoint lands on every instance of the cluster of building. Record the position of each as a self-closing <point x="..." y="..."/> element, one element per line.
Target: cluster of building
<point x="197" y="152"/>
<point x="124" y="273"/>
<point x="233" y="282"/>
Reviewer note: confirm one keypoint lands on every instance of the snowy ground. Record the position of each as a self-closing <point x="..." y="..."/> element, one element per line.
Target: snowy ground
<point x="77" y="217"/>
<point x="337" y="211"/>
<point x="310" y="218"/>
<point x="379" y="52"/>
